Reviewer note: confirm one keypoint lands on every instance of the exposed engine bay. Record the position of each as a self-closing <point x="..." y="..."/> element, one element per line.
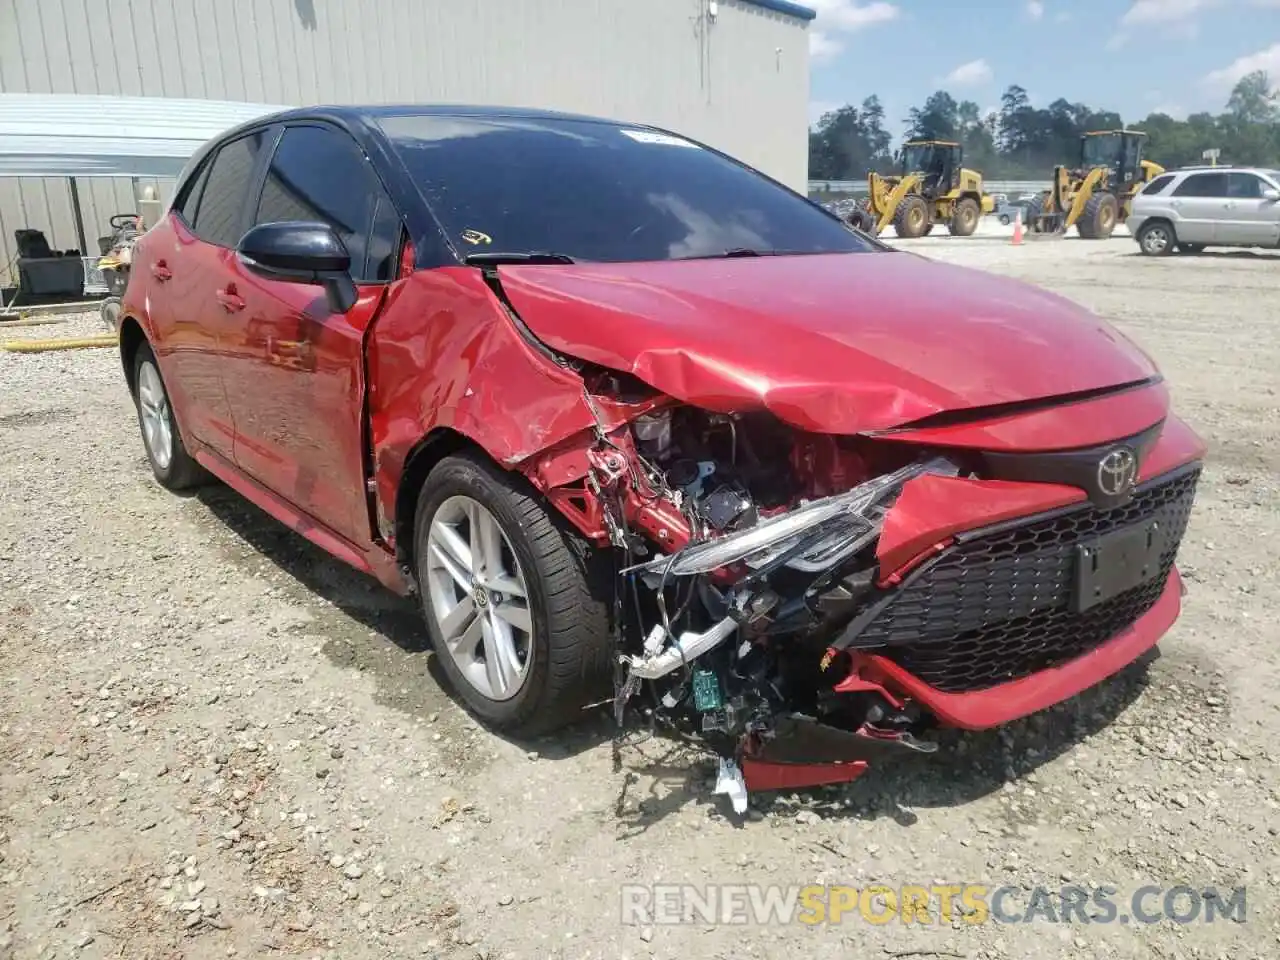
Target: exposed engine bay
<point x="746" y="548"/>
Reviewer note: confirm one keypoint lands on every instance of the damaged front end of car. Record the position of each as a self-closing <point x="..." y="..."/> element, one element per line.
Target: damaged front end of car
<point x="804" y="603"/>
<point x="744" y="548"/>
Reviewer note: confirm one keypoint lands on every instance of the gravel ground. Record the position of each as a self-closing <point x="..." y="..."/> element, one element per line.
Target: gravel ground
<point x="215" y="741"/>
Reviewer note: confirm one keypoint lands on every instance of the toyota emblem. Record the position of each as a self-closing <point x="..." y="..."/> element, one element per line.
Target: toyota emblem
<point x="1116" y="472"/>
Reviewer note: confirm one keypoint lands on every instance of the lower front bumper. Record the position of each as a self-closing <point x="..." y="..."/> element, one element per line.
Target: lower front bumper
<point x="980" y="709"/>
<point x="976" y="710"/>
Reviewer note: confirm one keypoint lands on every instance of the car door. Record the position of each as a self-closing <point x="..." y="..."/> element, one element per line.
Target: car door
<point x="1253" y="219"/>
<point x="297" y="381"/>
<point x="186" y="267"/>
<point x="1200" y="204"/>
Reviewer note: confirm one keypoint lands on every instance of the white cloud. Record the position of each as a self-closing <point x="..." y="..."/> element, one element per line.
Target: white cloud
<point x="969" y="74"/>
<point x="1164" y="11"/>
<point x="849" y="15"/>
<point x="1227" y="77"/>
<point x="1174" y="110"/>
<point x="844" y="16"/>
<point x="822" y="46"/>
<point x="1035" y="10"/>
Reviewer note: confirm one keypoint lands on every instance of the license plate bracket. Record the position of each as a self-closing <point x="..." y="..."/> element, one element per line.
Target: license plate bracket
<point x="1116" y="562"/>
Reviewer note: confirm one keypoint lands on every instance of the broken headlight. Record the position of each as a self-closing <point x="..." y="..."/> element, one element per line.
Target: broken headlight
<point x="839" y="526"/>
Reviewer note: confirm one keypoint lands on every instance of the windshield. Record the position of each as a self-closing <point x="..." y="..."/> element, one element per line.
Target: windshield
<point x="596" y="191"/>
<point x="1102" y="151"/>
<point x="917" y="158"/>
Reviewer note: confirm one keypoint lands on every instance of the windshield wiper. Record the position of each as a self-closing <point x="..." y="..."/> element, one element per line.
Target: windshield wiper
<point x="732" y="253"/>
<point x="497" y="258"/>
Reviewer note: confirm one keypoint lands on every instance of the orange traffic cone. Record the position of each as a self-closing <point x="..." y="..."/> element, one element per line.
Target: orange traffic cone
<point x="1017" y="228"/>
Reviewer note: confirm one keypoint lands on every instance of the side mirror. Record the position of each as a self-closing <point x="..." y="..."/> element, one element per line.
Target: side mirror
<point x="1270" y="194"/>
<point x="299" y="251"/>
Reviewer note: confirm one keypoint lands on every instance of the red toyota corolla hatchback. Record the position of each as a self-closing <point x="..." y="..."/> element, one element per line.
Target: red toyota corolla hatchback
<point x="637" y="424"/>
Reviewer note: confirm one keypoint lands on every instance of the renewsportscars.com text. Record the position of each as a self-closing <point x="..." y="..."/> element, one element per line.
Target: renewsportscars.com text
<point x="815" y="904"/>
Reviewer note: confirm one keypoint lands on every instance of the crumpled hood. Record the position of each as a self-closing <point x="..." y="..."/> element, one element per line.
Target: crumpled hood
<point x="840" y="343"/>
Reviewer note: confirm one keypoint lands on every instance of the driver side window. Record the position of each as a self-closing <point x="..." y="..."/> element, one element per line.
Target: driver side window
<point x="1244" y="186"/>
<point x="320" y="173"/>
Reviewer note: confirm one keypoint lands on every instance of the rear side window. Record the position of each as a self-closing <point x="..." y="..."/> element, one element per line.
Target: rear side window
<point x="1244" y="186"/>
<point x="220" y="213"/>
<point x="1158" y="185"/>
<point x="191" y="198"/>
<point x="1202" y="185"/>
<point x="321" y="174"/>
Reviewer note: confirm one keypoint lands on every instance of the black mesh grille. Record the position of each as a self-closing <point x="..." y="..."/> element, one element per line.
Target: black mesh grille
<point x="996" y="607"/>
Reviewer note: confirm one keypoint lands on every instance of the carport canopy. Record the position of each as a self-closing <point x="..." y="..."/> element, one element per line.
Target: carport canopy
<point x="68" y="135"/>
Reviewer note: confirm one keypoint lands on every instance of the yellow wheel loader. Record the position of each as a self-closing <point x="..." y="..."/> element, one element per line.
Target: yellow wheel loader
<point x="932" y="187"/>
<point x="1096" y="195"/>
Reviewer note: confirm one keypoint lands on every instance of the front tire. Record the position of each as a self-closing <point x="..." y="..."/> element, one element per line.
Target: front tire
<point x="912" y="218"/>
<point x="1156" y="239"/>
<point x="173" y="467"/>
<point x="515" y="604"/>
<point x="1099" y="218"/>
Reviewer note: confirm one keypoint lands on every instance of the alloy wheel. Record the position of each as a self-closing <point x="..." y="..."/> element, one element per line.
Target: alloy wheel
<point x="479" y="598"/>
<point x="1155" y="240"/>
<point x="156" y="417"/>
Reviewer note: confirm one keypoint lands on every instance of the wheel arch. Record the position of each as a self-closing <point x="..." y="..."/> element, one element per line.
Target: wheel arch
<point x="423" y="456"/>
<point x="132" y="336"/>
<point x="1149" y="222"/>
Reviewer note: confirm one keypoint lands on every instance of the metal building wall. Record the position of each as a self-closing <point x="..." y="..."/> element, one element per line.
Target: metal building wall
<point x="738" y="81"/>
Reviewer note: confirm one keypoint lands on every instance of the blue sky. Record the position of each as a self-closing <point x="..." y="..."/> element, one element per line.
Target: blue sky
<point x="1132" y="56"/>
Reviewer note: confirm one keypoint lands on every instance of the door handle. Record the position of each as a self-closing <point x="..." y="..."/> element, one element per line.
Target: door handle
<point x="230" y="300"/>
<point x="161" y="271"/>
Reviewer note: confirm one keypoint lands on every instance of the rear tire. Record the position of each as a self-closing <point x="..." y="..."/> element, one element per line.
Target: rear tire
<point x="563" y="660"/>
<point x="964" y="218"/>
<point x="172" y="465"/>
<point x="1157" y="239"/>
<point x="912" y="219"/>
<point x="1101" y="213"/>
<point x="1004" y="220"/>
<point x="862" y="218"/>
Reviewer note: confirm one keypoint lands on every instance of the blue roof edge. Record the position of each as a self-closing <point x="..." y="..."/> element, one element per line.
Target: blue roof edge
<point x="785" y="6"/>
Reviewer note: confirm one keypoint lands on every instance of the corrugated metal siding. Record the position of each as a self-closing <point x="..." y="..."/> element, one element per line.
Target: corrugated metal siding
<point x="740" y="82"/>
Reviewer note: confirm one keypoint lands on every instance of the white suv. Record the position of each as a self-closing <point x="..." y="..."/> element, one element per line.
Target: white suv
<point x="1207" y="207"/>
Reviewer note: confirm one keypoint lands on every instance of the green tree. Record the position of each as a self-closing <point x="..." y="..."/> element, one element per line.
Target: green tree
<point x="848" y="142"/>
<point x="1253" y="100"/>
<point x="938" y="119"/>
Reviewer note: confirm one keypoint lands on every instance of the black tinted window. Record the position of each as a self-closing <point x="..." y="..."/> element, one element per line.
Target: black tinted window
<point x="1244" y="186"/>
<point x="320" y="174"/>
<point x="219" y="214"/>
<point x="1158" y="185"/>
<point x="597" y="191"/>
<point x="1202" y="185"/>
<point x="191" y="196"/>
